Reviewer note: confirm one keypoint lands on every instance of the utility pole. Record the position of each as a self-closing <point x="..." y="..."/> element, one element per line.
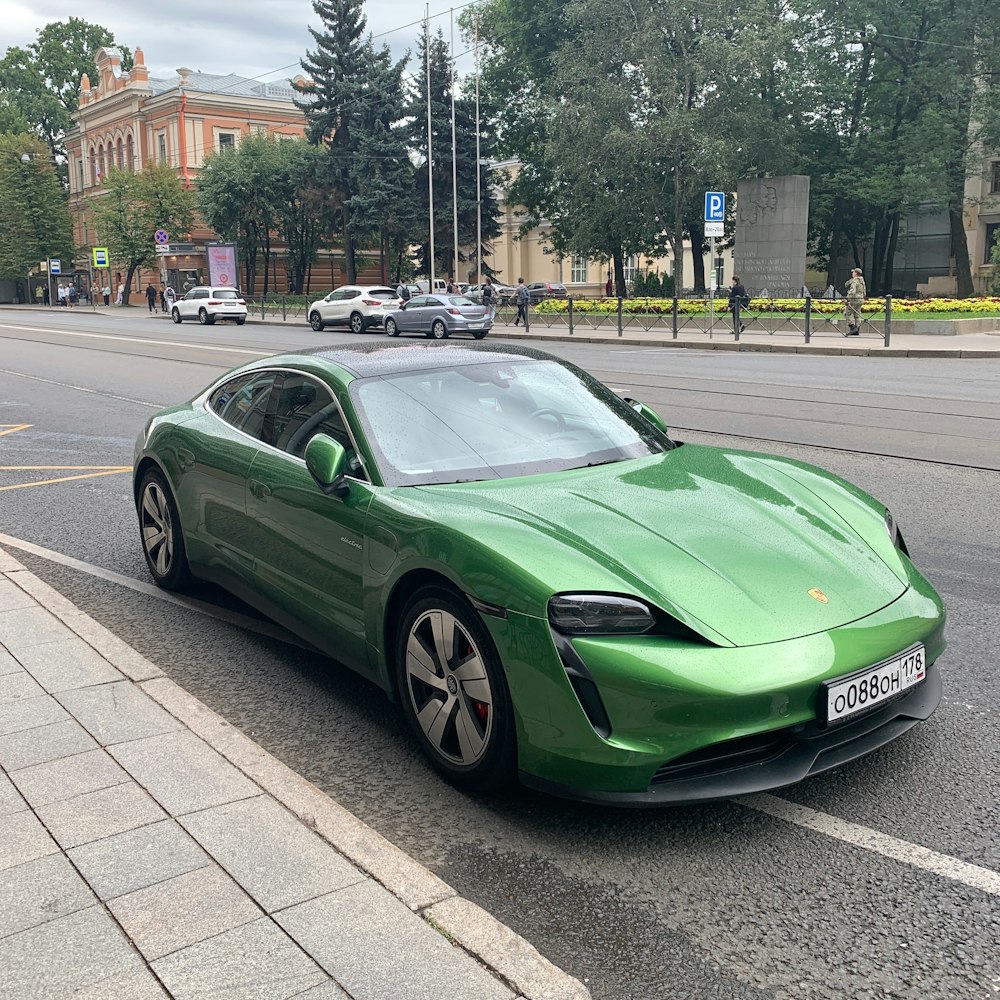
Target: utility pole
<point x="479" y="175"/>
<point x="430" y="152"/>
<point x="454" y="157"/>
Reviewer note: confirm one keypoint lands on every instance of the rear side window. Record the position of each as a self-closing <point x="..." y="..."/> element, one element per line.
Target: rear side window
<point x="242" y="401"/>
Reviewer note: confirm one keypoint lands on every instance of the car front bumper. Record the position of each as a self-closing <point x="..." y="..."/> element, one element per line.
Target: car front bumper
<point x="684" y="722"/>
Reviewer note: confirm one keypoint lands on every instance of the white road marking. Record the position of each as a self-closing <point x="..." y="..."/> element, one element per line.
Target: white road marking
<point x="83" y="388"/>
<point x="270" y="629"/>
<point x="138" y="340"/>
<point x="984" y="879"/>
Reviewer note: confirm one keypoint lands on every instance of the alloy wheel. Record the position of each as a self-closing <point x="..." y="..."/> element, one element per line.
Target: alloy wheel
<point x="449" y="687"/>
<point x="157" y="529"/>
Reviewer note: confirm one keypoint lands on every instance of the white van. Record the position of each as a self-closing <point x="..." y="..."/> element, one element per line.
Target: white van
<point x="440" y="285"/>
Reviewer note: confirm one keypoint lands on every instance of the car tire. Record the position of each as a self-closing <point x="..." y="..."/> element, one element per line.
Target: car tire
<point x="175" y="314"/>
<point x="438" y="330"/>
<point x="161" y="534"/>
<point x="391" y="329"/>
<point x="479" y="334"/>
<point x="474" y="747"/>
<point x="316" y="321"/>
<point x="240" y="320"/>
<point x="204" y="318"/>
<point x="357" y="323"/>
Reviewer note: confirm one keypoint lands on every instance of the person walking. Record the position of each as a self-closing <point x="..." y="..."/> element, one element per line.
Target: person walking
<point x="168" y="299"/>
<point x="488" y="295"/>
<point x="608" y="287"/>
<point x="120" y="298"/>
<point x="738" y="300"/>
<point x="402" y="292"/>
<point x="151" y="297"/>
<point x="854" y="298"/>
<point x="522" y="297"/>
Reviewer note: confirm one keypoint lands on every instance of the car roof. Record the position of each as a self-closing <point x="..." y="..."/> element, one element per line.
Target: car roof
<point x="376" y="358"/>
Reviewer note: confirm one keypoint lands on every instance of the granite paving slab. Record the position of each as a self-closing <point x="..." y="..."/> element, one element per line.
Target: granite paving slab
<point x="254" y="962"/>
<point x="337" y="929"/>
<point x="17" y="686"/>
<point x="117" y="713"/>
<point x="183" y="773"/>
<point x="8" y="665"/>
<point x="67" y="664"/>
<point x="30" y="713"/>
<point x="35" y="746"/>
<point x="30" y="626"/>
<point x="24" y="839"/>
<point x="12" y="597"/>
<point x="10" y="799"/>
<point x="269" y="852"/>
<point x="100" y="814"/>
<point x="59" y="779"/>
<point x="133" y="860"/>
<point x="182" y="911"/>
<point x="39" y="891"/>
<point x="80" y="950"/>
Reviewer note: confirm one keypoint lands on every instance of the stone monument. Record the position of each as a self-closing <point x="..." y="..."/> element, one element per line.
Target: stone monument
<point x="772" y="219"/>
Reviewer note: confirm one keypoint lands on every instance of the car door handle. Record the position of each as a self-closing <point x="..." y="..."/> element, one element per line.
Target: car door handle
<point x="259" y="490"/>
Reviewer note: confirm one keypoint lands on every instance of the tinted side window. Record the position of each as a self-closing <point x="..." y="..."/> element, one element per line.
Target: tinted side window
<point x="242" y="401"/>
<point x="306" y="408"/>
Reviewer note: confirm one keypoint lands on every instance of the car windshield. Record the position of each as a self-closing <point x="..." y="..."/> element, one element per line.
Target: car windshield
<point x="497" y="420"/>
<point x="224" y="293"/>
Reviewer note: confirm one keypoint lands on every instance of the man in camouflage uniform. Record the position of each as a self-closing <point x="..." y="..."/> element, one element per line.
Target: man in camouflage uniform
<point x="854" y="298"/>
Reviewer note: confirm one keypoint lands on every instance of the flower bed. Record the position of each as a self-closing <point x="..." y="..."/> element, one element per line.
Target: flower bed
<point x="913" y="308"/>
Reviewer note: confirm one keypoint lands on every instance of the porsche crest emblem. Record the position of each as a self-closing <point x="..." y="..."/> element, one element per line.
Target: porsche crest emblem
<point x="817" y="595"/>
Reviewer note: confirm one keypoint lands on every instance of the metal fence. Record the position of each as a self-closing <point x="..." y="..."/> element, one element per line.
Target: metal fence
<point x="710" y="318"/>
<point x="285" y="306"/>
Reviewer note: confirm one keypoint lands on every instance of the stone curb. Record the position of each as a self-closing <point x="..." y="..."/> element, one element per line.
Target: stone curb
<point x="509" y="956"/>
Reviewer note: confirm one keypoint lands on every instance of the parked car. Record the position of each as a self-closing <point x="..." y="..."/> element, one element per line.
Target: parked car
<point x="440" y="316"/>
<point x="539" y="290"/>
<point x="548" y="584"/>
<point x="440" y="285"/>
<point x="503" y="295"/>
<point x="206" y="304"/>
<point x="356" y="306"/>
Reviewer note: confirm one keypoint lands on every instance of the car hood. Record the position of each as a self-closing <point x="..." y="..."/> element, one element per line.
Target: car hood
<point x="724" y="539"/>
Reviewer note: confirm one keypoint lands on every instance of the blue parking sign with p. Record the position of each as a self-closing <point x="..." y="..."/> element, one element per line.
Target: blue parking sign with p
<point x="715" y="206"/>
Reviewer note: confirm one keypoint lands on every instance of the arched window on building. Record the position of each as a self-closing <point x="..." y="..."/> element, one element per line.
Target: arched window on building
<point x="120" y="155"/>
<point x="102" y="168"/>
<point x="129" y="153"/>
<point x="93" y="166"/>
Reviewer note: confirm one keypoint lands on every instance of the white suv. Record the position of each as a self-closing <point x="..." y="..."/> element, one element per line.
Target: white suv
<point x="356" y="306"/>
<point x="207" y="304"/>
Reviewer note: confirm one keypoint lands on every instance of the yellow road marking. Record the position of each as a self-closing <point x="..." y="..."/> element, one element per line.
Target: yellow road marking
<point x="67" y="479"/>
<point x="60" y="468"/>
<point x="12" y="428"/>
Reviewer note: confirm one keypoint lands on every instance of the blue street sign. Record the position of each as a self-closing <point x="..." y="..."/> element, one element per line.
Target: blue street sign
<point x="715" y="206"/>
<point x="55" y="266"/>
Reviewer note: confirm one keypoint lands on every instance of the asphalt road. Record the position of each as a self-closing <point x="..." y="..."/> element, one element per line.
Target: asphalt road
<point x="879" y="880"/>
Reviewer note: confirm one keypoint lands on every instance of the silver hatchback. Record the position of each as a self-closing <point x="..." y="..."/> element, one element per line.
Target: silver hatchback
<point x="440" y="316"/>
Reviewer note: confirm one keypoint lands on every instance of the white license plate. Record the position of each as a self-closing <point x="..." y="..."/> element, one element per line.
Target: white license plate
<point x="864" y="689"/>
<point x="475" y="326"/>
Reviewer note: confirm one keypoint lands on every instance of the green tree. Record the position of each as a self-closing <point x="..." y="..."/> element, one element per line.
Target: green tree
<point x="34" y="218"/>
<point x="130" y="207"/>
<point x="337" y="100"/>
<point x="41" y="83"/>
<point x="239" y="192"/>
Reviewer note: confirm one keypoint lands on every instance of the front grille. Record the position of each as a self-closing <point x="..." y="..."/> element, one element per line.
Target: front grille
<point x="725" y="756"/>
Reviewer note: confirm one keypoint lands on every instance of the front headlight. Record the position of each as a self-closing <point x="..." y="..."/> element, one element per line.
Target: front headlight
<point x="599" y="614"/>
<point x="894" y="532"/>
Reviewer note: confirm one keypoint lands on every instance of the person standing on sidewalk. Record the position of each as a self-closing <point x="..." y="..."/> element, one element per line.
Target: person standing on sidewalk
<point x="738" y="300"/>
<point x="168" y="299"/>
<point x="106" y="292"/>
<point x="151" y="297"/>
<point x="854" y="299"/>
<point x="488" y="294"/>
<point x="522" y="297"/>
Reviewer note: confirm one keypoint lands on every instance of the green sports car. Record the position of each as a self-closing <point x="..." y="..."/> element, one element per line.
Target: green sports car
<point x="549" y="584"/>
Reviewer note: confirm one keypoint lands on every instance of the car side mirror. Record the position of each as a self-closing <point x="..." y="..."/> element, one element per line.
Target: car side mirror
<point x="649" y="413"/>
<point x="325" y="460"/>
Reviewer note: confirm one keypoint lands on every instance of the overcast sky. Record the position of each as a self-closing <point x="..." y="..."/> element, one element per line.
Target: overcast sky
<point x="253" y="38"/>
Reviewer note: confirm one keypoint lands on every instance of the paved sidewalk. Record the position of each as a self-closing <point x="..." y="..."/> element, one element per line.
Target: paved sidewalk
<point x="148" y="849"/>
